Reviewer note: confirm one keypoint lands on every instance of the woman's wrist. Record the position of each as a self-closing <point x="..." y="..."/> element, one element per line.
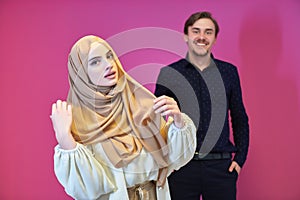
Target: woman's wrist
<point x="178" y="121"/>
<point x="66" y="142"/>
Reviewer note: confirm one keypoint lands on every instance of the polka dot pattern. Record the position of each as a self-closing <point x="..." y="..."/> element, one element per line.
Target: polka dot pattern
<point x="187" y="85"/>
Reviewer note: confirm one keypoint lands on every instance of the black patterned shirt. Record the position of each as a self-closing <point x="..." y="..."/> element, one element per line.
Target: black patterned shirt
<point x="199" y="95"/>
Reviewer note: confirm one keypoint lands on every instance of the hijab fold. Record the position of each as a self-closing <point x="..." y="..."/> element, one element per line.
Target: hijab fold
<point x="121" y="117"/>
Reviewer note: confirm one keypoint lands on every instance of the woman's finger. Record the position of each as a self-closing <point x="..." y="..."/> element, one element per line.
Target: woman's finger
<point x="58" y="105"/>
<point x="70" y="109"/>
<point x="64" y="105"/>
<point x="53" y="108"/>
<point x="159" y="98"/>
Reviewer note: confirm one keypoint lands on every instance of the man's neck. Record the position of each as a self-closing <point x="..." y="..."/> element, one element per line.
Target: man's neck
<point x="201" y="62"/>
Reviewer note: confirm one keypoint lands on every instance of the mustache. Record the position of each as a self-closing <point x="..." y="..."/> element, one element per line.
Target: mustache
<point x="200" y="40"/>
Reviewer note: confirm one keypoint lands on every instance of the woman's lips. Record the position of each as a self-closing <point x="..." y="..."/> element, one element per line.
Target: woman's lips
<point x="110" y="75"/>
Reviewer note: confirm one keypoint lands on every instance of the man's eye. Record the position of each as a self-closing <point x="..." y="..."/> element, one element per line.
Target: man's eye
<point x="209" y="32"/>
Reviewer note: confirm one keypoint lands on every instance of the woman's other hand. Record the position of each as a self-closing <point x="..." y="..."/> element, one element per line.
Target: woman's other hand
<point x="167" y="106"/>
<point x="61" y="120"/>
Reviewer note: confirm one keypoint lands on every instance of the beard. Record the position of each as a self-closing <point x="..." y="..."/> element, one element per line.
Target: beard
<point x="198" y="50"/>
<point x="201" y="53"/>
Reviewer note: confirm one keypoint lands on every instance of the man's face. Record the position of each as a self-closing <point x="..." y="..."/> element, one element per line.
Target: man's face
<point x="201" y="37"/>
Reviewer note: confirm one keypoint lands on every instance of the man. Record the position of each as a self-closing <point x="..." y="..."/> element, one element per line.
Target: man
<point x="207" y="90"/>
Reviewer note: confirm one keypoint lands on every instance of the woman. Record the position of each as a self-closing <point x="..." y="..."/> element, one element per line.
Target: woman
<point x="113" y="142"/>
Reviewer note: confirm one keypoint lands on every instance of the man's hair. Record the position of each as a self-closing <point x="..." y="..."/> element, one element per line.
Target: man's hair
<point x="199" y="15"/>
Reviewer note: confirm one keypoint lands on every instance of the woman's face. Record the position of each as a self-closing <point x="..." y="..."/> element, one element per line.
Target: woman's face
<point x="102" y="68"/>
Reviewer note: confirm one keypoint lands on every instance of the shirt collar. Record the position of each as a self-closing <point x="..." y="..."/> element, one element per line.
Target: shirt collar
<point x="211" y="65"/>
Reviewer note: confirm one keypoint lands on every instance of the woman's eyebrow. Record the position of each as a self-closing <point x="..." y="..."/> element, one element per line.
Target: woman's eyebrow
<point x="109" y="52"/>
<point x="94" y="58"/>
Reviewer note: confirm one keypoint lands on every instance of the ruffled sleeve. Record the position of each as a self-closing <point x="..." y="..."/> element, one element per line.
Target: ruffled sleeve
<point x="82" y="176"/>
<point x="182" y="143"/>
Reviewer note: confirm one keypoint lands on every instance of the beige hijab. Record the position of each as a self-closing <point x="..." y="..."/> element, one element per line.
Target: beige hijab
<point x="121" y="118"/>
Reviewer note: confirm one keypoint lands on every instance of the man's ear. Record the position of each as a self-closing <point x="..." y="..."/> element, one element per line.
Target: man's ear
<point x="214" y="42"/>
<point x="185" y="38"/>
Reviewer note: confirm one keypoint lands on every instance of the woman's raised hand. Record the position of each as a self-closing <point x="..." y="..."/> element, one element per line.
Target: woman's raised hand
<point x="61" y="120"/>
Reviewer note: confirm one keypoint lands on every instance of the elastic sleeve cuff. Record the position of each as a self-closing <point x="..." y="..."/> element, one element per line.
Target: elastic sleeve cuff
<point x="59" y="149"/>
<point x="185" y="126"/>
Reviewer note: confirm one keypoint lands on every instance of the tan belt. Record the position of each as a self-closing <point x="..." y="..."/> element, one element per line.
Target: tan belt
<point x="143" y="191"/>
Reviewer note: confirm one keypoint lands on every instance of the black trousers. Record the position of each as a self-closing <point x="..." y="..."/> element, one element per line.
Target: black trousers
<point x="207" y="178"/>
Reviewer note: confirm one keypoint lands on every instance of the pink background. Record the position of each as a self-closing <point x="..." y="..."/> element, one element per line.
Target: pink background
<point x="260" y="37"/>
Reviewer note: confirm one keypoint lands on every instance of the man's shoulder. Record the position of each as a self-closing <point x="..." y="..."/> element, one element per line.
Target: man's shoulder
<point x="178" y="64"/>
<point x="224" y="65"/>
<point x="174" y="71"/>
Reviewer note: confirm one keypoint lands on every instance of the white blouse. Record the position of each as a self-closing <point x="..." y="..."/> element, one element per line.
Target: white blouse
<point x="86" y="172"/>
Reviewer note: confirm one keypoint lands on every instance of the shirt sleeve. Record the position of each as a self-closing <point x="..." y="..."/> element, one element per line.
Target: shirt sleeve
<point x="182" y="143"/>
<point x="239" y="119"/>
<point x="167" y="78"/>
<point x="82" y="176"/>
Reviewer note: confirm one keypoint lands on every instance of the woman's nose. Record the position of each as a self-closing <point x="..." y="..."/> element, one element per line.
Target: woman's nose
<point x="108" y="65"/>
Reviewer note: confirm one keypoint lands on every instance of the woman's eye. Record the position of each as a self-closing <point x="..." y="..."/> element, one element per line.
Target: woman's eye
<point x="110" y="56"/>
<point x="95" y="62"/>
